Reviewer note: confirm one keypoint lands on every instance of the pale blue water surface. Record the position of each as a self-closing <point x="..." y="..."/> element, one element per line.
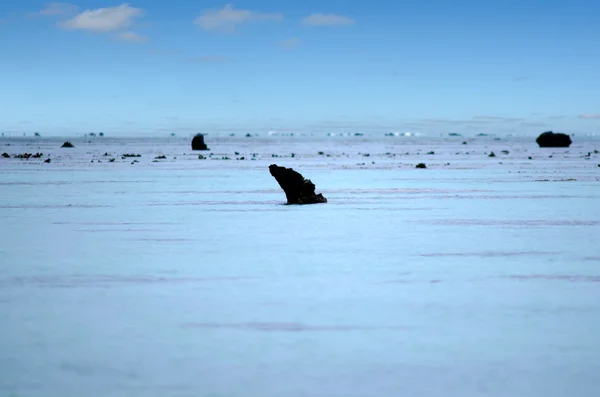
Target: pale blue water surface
<point x="183" y="277"/>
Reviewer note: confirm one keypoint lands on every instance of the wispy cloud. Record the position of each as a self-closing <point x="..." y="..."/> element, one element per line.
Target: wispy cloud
<point x="556" y="117"/>
<point x="289" y="43"/>
<point x="164" y="52"/>
<point x="455" y="122"/>
<point x="534" y="124"/>
<point x="104" y="20"/>
<point x="500" y="119"/>
<point x="57" y="9"/>
<point x="227" y="19"/>
<point x="327" y="20"/>
<point x="590" y="116"/>
<point x="132" y="37"/>
<point x="209" y="59"/>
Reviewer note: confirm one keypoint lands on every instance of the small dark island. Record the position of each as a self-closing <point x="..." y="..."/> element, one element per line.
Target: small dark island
<point x="553" y="139"/>
<point x="298" y="190"/>
<point x="67" y="144"/>
<point x="198" y="143"/>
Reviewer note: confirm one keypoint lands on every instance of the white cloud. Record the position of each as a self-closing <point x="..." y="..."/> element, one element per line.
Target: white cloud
<point x="327" y="20"/>
<point x="590" y="116"/>
<point x="210" y="59"/>
<point x="226" y="20"/>
<point x="289" y="43"/>
<point x="111" y="19"/>
<point x="131" y="36"/>
<point x="56" y="8"/>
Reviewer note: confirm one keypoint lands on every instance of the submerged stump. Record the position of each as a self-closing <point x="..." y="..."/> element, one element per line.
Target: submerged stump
<point x="553" y="139"/>
<point x="297" y="189"/>
<point x="198" y="142"/>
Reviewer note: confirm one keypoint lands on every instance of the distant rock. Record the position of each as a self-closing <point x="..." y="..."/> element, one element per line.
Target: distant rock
<point x="492" y="154"/>
<point x="553" y="139"/>
<point x="47" y="161"/>
<point x="198" y="142"/>
<point x="454" y="134"/>
<point x="297" y="189"/>
<point x="67" y="144"/>
<point x="6" y="155"/>
<point x="37" y="134"/>
<point x="421" y="165"/>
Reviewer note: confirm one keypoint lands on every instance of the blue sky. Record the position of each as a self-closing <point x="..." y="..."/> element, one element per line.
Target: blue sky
<point x="156" y="67"/>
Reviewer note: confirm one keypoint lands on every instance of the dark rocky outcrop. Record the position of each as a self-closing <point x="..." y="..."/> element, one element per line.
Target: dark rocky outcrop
<point x="553" y="139"/>
<point x="67" y="144"/>
<point x="421" y="165"/>
<point x="298" y="190"/>
<point x="198" y="142"/>
<point x="6" y="155"/>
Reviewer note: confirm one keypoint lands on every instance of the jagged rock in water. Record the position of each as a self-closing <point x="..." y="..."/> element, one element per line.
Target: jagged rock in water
<point x="298" y="190"/>
<point x="198" y="142"/>
<point x="553" y="139"/>
<point x="67" y="144"/>
<point x="421" y="165"/>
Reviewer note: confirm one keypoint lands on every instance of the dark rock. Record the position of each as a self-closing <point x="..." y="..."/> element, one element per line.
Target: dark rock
<point x="6" y="155"/>
<point x="37" y="134"/>
<point x="553" y="139"/>
<point x="160" y="157"/>
<point x="130" y="155"/>
<point x="47" y="161"/>
<point x="67" y="144"/>
<point x="101" y="134"/>
<point x="492" y="154"/>
<point x="248" y="135"/>
<point x="464" y="142"/>
<point x="421" y="165"/>
<point x="430" y="152"/>
<point x="298" y="190"/>
<point x="198" y="142"/>
<point x="454" y="134"/>
<point x="505" y="152"/>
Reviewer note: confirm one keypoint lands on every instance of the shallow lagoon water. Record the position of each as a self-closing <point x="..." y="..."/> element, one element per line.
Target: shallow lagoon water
<point x="477" y="276"/>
